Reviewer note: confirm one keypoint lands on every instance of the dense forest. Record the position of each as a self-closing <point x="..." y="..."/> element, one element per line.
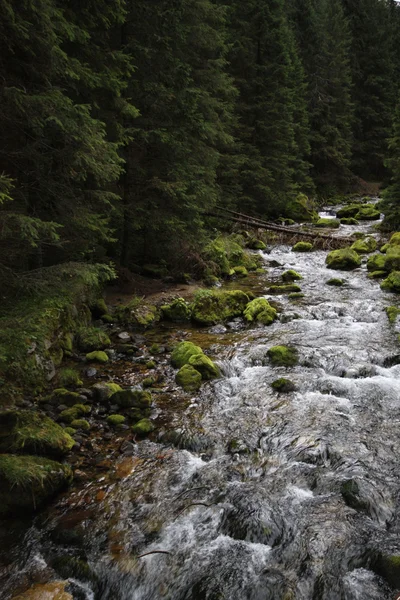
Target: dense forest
<point x="122" y="123"/>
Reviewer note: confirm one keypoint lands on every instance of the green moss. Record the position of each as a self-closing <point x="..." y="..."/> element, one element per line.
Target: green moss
<point x="188" y="378"/>
<point x="155" y="349"/>
<point x="368" y="212"/>
<point x="377" y="274"/>
<point x="71" y="414"/>
<point x="283" y="356"/>
<point x="349" y="221"/>
<point x="116" y="419"/>
<point x="63" y="396"/>
<point x="143" y="427"/>
<point x="92" y="338"/>
<point x="328" y="223"/>
<point x="344" y="259"/>
<point x="296" y="296"/>
<point x="384" y="248"/>
<point x="132" y="399"/>
<point x="67" y="342"/>
<point x="364" y="246"/>
<point x="261" y="311"/>
<point x="335" y="282"/>
<point x="177" y="311"/>
<point x="107" y="318"/>
<point x="138" y="314"/>
<point x="148" y="382"/>
<point x="32" y="433"/>
<point x="182" y="353"/>
<point x="204" y="365"/>
<point x="240" y="271"/>
<point x="99" y="308"/>
<point x="301" y="210"/>
<point x="392" y="283"/>
<point x="283" y="385"/>
<point x="256" y="244"/>
<point x="113" y="387"/>
<point x="376" y="262"/>
<point x="348" y="211"/>
<point x="150" y="364"/>
<point x="392" y="312"/>
<point x="388" y="567"/>
<point x="69" y="378"/>
<point x="80" y="424"/>
<point x="98" y="356"/>
<point x="291" y="275"/>
<point x="392" y="259"/>
<point x="70" y="430"/>
<point x="27" y="482"/>
<point x="210" y="307"/>
<point x="284" y="289"/>
<point x="303" y="247"/>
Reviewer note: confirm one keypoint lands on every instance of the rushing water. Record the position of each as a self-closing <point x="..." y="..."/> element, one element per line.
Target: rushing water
<point x="248" y="503"/>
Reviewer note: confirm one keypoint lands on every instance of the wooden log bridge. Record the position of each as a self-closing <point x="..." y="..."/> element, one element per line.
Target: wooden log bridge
<point x="322" y="240"/>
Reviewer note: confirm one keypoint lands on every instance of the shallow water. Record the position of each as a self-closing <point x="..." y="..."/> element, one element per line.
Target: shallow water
<point x="245" y="501"/>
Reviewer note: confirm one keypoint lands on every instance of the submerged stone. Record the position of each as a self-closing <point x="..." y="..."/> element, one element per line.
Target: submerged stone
<point x="283" y="385"/>
<point x="303" y="247"/>
<point x="284" y="289"/>
<point x="344" y="259"/>
<point x="188" y="378"/>
<point x="261" y="311"/>
<point x="283" y="356"/>
<point x="335" y="282"/>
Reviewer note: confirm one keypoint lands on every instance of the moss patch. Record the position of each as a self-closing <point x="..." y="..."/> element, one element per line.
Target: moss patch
<point x="115" y="420"/>
<point x="71" y="414"/>
<point x="291" y="275"/>
<point x="178" y="311"/>
<point x="344" y="259"/>
<point x="143" y="427"/>
<point x="348" y="211"/>
<point x="182" y="353"/>
<point x="283" y="385"/>
<point x="204" y="366"/>
<point x="132" y="399"/>
<point x="392" y="283"/>
<point x="328" y="223"/>
<point x="364" y="246"/>
<point x="283" y="356"/>
<point x="261" y="311"/>
<point x="188" y="378"/>
<point x="376" y="262"/>
<point x="335" y="282"/>
<point x="80" y="424"/>
<point x="349" y="221"/>
<point x="97" y="356"/>
<point x="92" y="338"/>
<point x="303" y="247"/>
<point x="210" y="307"/>
<point x="392" y="313"/>
<point x="69" y="378"/>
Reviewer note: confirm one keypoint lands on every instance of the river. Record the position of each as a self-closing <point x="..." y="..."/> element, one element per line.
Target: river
<point x="259" y="495"/>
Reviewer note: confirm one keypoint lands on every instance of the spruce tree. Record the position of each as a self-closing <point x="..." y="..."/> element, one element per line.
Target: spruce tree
<point x="391" y="195"/>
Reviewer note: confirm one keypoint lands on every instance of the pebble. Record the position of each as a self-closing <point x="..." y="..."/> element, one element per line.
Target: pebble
<point x="91" y="372"/>
<point x="124" y="335"/>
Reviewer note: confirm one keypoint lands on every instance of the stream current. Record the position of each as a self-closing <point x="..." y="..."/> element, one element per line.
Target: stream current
<point x="249" y="502"/>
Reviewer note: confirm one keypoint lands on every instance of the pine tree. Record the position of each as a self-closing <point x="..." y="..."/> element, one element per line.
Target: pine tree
<point x="391" y="195"/>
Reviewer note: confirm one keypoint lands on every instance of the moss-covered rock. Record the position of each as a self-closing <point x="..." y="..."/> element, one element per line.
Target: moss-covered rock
<point x="392" y="283"/>
<point x="364" y="246"/>
<point x="261" y="311"/>
<point x="328" y="223"/>
<point x="392" y="312"/>
<point x="303" y="247"/>
<point x="376" y="262"/>
<point x="150" y="364"/>
<point x="210" y="307"/>
<point x="296" y="296"/>
<point x="283" y="356"/>
<point x="283" y="385"/>
<point x="70" y="414"/>
<point x="344" y="259"/>
<point x="148" y="382"/>
<point x="368" y="212"/>
<point x="348" y="221"/>
<point x="377" y="274"/>
<point x="138" y="314"/>
<point x="351" y="495"/>
<point x="284" y="289"/>
<point x="32" y="433"/>
<point x="80" y="424"/>
<point x="388" y="566"/>
<point x="335" y="282"/>
<point x="348" y="211"/>
<point x="291" y="275"/>
<point x="132" y="399"/>
<point x="72" y="567"/>
<point x="99" y="308"/>
<point x="177" y="311"/>
<point x="255" y="244"/>
<point x="182" y="353"/>
<point x="301" y="209"/>
<point x="55" y="590"/>
<point x="392" y="259"/>
<point x="115" y="420"/>
<point x="27" y="482"/>
<point x="68" y="377"/>
<point x="143" y="427"/>
<point x="188" y="378"/>
<point x="62" y="396"/>
<point x="240" y="271"/>
<point x="384" y="248"/>
<point x="204" y="365"/>
<point x="92" y="338"/>
<point x="97" y="356"/>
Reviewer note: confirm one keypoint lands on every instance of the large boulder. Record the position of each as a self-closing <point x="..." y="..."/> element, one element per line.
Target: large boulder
<point x="348" y="211"/>
<point x="392" y="283"/>
<point x="28" y="482"/>
<point x="204" y="365"/>
<point x="92" y="338"/>
<point x="392" y="258"/>
<point x="188" y="378"/>
<point x="364" y="246"/>
<point x="182" y="353"/>
<point x="261" y="311"/>
<point x="328" y="223"/>
<point x="303" y="247"/>
<point x="211" y="307"/>
<point x="344" y="259"/>
<point x="178" y="311"/>
<point x="32" y="433"/>
<point x="376" y="262"/>
<point x="368" y="212"/>
<point x="283" y="356"/>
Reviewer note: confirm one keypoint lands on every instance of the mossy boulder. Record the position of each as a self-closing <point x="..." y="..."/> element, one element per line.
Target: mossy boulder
<point x="348" y="211"/>
<point x="283" y="385"/>
<point x="32" y="433"/>
<point x="256" y="244"/>
<point x="335" y="282"/>
<point x="364" y="246"/>
<point x="115" y="420"/>
<point x="149" y="382"/>
<point x="71" y="414"/>
<point x="204" y="365"/>
<point x="392" y="259"/>
<point x="328" y="223"/>
<point x="211" y="307"/>
<point x="296" y="296"/>
<point x="384" y="248"/>
<point x="63" y="396"/>
<point x="97" y="356"/>
<point x="177" y="311"/>
<point x="188" y="378"/>
<point x="143" y="427"/>
<point x="80" y="424"/>
<point x="392" y="312"/>
<point x="240" y="271"/>
<point x="138" y="314"/>
<point x="303" y="247"/>
<point x="182" y="353"/>
<point x="344" y="259"/>
<point x="395" y="239"/>
<point x="99" y="308"/>
<point x="368" y="212"/>
<point x="102" y="390"/>
<point x="132" y="399"/>
<point x="392" y="283"/>
<point x="377" y="274"/>
<point x="68" y="377"/>
<point x="55" y="590"/>
<point x="27" y="482"/>
<point x="348" y="221"/>
<point x="301" y="209"/>
<point x="283" y="356"/>
<point x="92" y="338"/>
<point x="261" y="311"/>
<point x="376" y="262"/>
<point x="284" y="289"/>
<point x="291" y="275"/>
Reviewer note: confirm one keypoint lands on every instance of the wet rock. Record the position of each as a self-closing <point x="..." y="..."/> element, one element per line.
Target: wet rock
<point x="335" y="282"/>
<point x="283" y="356"/>
<point x="127" y="448"/>
<point x="143" y="427"/>
<point x="132" y="399"/>
<point x="54" y="590"/>
<point x="303" y="247"/>
<point x="188" y="378"/>
<point x="364" y="246"/>
<point x="91" y="372"/>
<point x="348" y="211"/>
<point x="344" y="259"/>
<point x="238" y="447"/>
<point x="388" y="566"/>
<point x="260" y="310"/>
<point x="283" y="385"/>
<point x="124" y="335"/>
<point x="217" y="329"/>
<point x="205" y="366"/>
<point x="103" y="391"/>
<point x="350" y="491"/>
<point x="392" y="283"/>
<point x="376" y="262"/>
<point x="291" y="275"/>
<point x="284" y="289"/>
